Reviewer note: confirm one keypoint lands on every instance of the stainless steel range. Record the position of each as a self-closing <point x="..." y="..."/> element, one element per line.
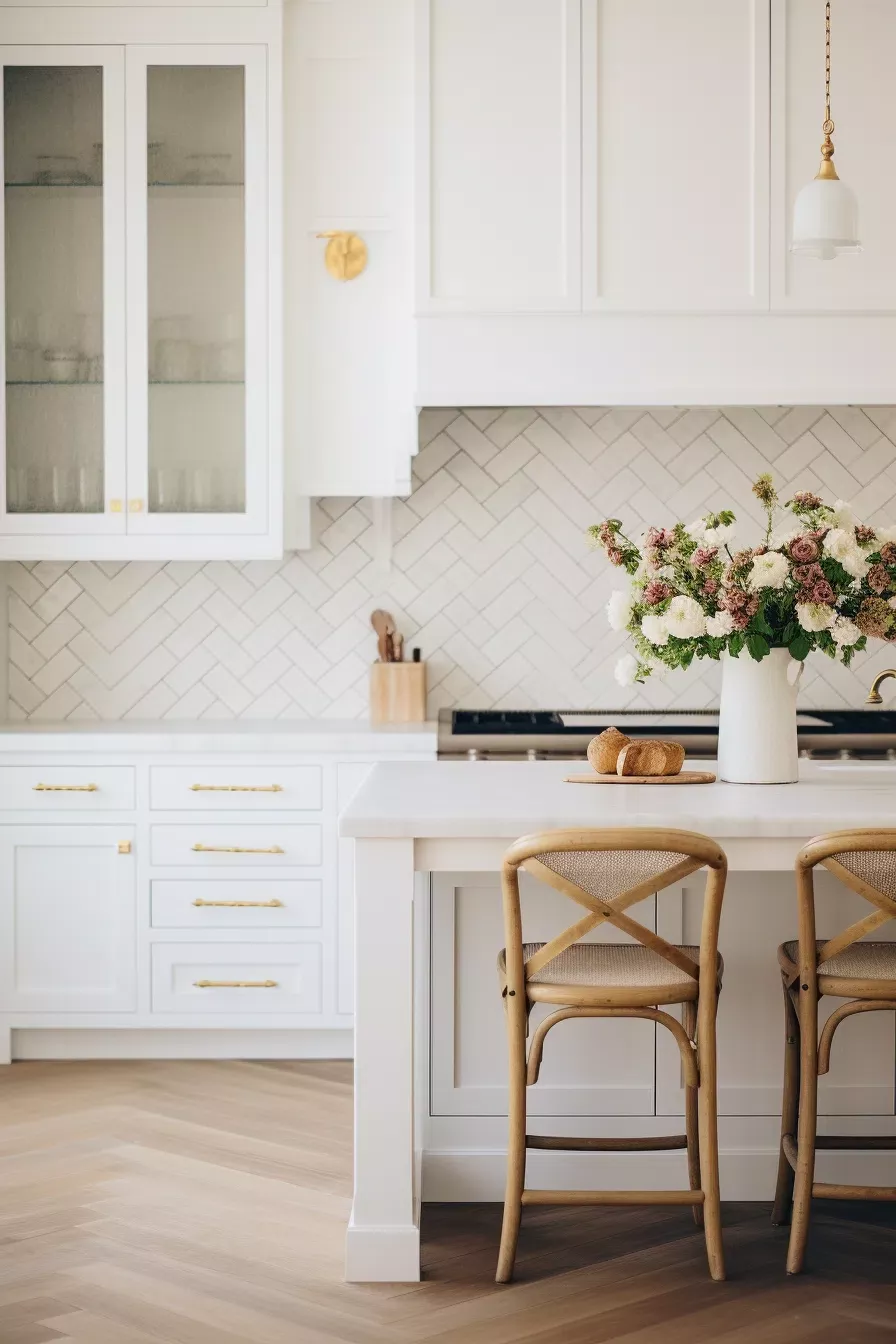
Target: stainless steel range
<point x="519" y="735"/>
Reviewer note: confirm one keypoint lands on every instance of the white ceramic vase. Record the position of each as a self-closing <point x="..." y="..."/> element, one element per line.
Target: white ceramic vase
<point x="757" y="719"/>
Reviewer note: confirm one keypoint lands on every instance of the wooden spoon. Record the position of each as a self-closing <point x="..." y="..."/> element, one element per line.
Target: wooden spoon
<point x="384" y="625"/>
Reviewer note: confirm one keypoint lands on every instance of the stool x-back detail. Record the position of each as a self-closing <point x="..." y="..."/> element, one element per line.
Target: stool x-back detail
<point x="606" y="871"/>
<point x="846" y="967"/>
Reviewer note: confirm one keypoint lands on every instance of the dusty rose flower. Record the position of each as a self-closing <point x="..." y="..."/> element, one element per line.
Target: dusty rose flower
<point x="710" y="587"/>
<point x="657" y="591"/>
<point x="615" y="556"/>
<point x="806" y="500"/>
<point x="759" y="550"/>
<point x="804" y="550"/>
<point x="658" y="538"/>
<point x="703" y="556"/>
<point x="888" y="553"/>
<point x="864" y="534"/>
<point x="742" y="619"/>
<point x="823" y="592"/>
<point x="878" y="578"/>
<point x="874" y="618"/>
<point x="733" y="599"/>
<point x="808" y="574"/>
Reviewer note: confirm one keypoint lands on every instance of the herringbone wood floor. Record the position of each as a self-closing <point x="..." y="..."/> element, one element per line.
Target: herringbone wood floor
<point x="205" y="1204"/>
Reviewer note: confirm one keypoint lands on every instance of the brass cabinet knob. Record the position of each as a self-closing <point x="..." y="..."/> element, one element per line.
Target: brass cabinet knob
<point x="346" y="254"/>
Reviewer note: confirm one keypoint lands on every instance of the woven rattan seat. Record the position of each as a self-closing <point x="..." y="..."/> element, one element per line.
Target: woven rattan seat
<point x="607" y="965"/>
<point x="862" y="961"/>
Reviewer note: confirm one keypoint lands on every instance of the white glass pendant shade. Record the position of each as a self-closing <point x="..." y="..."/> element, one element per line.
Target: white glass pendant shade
<point x="826" y="219"/>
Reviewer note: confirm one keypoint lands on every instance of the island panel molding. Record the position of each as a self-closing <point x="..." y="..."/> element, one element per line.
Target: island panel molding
<point x="492" y="575"/>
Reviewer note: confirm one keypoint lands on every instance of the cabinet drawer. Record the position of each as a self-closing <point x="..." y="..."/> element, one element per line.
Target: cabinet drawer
<point x="67" y="788"/>
<point x="250" y="788"/>
<point x="272" y="845"/>
<point x="253" y="903"/>
<point x="236" y="978"/>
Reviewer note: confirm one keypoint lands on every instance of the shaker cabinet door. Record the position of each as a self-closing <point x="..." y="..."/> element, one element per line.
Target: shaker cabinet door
<point x="67" y="919"/>
<point x="63" y="287"/>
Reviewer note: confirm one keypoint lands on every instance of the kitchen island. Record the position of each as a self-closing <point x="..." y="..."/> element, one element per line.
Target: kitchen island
<point x="435" y="832"/>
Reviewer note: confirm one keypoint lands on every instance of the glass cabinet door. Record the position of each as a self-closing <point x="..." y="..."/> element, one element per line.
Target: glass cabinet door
<point x="63" y="420"/>
<point x="198" y="368"/>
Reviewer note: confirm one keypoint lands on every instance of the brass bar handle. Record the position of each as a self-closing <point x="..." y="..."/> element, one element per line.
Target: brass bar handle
<point x="236" y="788"/>
<point x="65" y="788"/>
<point x="234" y="849"/>
<point x="242" y="905"/>
<point x="235" y="984"/>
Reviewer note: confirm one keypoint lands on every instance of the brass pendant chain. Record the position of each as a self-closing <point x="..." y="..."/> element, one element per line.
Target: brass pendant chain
<point x="828" y="124"/>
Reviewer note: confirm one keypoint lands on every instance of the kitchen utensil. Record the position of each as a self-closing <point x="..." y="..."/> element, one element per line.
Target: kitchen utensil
<point x="398" y="648"/>
<point x="686" y="777"/>
<point x="385" y="628"/>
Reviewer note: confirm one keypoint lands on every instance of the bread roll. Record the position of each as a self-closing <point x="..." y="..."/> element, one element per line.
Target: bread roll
<point x="603" y="751"/>
<point x="650" y="758"/>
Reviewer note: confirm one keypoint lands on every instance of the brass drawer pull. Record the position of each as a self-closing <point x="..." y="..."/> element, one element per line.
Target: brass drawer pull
<point x="65" y="788"/>
<point x="236" y="788"/>
<point x="234" y="849"/>
<point x="242" y="905"/>
<point x="235" y="984"/>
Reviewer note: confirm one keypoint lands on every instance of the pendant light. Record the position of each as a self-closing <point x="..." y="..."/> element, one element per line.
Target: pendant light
<point x="825" y="213"/>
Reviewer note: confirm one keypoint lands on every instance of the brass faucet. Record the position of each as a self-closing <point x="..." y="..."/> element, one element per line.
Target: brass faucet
<point x="874" y="696"/>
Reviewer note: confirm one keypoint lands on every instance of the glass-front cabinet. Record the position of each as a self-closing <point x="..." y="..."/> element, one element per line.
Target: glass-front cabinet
<point x="136" y="293"/>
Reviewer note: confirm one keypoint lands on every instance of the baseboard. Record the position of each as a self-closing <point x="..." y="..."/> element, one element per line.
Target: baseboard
<point x="382" y="1254"/>
<point x="745" y="1173"/>
<point x="150" y="1043"/>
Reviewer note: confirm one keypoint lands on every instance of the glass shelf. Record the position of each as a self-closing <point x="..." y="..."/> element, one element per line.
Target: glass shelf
<point x="53" y="382"/>
<point x="197" y="382"/>
<point x="54" y="186"/>
<point x="193" y="186"/>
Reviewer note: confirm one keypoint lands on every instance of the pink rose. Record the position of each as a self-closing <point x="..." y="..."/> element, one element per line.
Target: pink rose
<point x="888" y="553"/>
<point x="804" y="550"/>
<point x="741" y="620"/>
<point x="703" y="556"/>
<point x="615" y="556"/>
<point x="823" y="592"/>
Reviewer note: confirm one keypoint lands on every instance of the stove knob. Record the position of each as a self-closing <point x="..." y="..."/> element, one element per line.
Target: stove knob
<point x="532" y="755"/>
<point x="473" y="754"/>
<point x="844" y="754"/>
<point x="806" y="754"/>
<point x="891" y="753"/>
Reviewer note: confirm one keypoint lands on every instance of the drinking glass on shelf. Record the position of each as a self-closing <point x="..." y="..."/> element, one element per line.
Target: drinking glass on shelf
<point x="174" y="356"/>
<point x="21" y="348"/>
<point x="89" y="490"/>
<point x="62" y="366"/>
<point x="167" y="492"/>
<point x="201" y="494"/>
<point x="207" y="169"/>
<point x="59" y="170"/>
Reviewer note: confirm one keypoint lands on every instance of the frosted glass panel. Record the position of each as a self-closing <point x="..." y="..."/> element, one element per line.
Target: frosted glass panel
<point x="196" y="242"/>
<point x="53" y="155"/>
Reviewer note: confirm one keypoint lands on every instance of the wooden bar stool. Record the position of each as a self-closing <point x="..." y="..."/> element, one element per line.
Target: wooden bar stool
<point x="862" y="972"/>
<point x="606" y="871"/>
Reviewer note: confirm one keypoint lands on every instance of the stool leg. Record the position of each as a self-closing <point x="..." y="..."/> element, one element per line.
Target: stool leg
<point x="808" y="1122"/>
<point x="691" y="1117"/>
<point x="516" y="1138"/>
<point x="790" y="1105"/>
<point x="709" y="1131"/>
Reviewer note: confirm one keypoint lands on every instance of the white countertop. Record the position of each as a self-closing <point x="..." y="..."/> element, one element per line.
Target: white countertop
<point x="313" y="735"/>
<point x="485" y="799"/>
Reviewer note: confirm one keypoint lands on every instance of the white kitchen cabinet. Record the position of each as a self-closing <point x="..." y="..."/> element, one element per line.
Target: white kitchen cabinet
<point x="863" y="38"/>
<point x="67" y="915"/>
<point x="350" y="415"/>
<point x="100" y="950"/>
<point x="141" y="390"/>
<point x="675" y="155"/>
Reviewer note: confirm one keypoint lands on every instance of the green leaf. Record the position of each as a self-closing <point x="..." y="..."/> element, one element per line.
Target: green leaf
<point x="735" y="644"/>
<point x="757" y="647"/>
<point x="800" y="647"/>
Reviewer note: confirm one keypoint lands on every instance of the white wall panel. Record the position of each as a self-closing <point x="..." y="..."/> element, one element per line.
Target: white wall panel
<point x="675" y="154"/>
<point x="498" y="154"/>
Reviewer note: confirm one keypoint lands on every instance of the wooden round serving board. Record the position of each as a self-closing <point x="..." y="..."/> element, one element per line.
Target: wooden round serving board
<point x="684" y="777"/>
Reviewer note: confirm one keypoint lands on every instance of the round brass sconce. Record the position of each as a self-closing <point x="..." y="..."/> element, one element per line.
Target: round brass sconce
<point x="346" y="254"/>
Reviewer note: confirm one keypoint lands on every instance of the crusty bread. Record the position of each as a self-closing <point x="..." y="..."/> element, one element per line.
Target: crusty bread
<point x="650" y="758"/>
<point x="603" y="751"/>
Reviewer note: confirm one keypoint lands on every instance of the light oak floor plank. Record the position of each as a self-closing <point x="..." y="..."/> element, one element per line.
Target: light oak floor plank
<point x="205" y="1203"/>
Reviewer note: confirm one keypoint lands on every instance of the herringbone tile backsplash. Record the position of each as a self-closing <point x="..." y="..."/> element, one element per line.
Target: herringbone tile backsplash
<point x="491" y="574"/>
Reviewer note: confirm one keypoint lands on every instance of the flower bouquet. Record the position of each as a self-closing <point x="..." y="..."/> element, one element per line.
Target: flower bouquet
<point x="819" y="579"/>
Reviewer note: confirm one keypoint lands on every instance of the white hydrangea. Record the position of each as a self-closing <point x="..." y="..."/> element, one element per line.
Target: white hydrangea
<point x="720" y="625"/>
<point x="884" y="535"/>
<point x="841" y="545"/>
<point x="654" y="628"/>
<point x="769" y="570"/>
<point x="684" y="618"/>
<point x="781" y="539"/>
<point x="842" y="516"/>
<point x="845" y="632"/>
<point x="619" y="609"/>
<point x="814" y="616"/>
<point x="717" y="536"/>
<point x="626" y="671"/>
